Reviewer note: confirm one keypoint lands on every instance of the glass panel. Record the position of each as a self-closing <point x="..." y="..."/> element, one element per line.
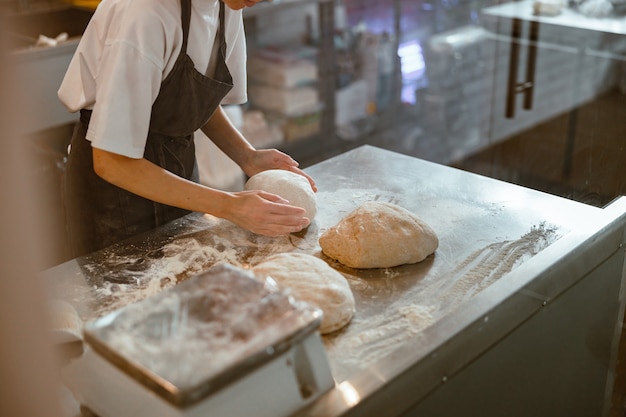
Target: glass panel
<point x="537" y="99"/>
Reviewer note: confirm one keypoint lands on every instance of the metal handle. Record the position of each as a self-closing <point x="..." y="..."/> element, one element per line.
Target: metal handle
<point x="526" y="87"/>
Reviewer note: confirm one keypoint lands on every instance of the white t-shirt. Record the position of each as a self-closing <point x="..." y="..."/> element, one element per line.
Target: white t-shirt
<point x="127" y="50"/>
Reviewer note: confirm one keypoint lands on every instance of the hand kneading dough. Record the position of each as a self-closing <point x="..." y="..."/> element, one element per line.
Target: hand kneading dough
<point x="379" y="235"/>
<point x="312" y="280"/>
<point x="289" y="185"/>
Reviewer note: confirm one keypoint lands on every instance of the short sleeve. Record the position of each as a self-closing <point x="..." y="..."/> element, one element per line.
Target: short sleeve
<point x="128" y="85"/>
<point x="236" y="57"/>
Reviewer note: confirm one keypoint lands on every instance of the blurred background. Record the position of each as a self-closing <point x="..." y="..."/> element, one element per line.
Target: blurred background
<point x="531" y="92"/>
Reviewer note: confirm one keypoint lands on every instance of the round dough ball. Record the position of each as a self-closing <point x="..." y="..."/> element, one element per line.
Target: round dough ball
<point x="291" y="186"/>
<point x="379" y="235"/>
<point x="312" y="280"/>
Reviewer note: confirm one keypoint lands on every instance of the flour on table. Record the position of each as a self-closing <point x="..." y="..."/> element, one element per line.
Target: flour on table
<point x="375" y="338"/>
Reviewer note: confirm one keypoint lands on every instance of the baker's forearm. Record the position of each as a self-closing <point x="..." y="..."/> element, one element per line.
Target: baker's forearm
<point x="142" y="177"/>
<point x="221" y="131"/>
<point x="255" y="210"/>
<point x="224" y="134"/>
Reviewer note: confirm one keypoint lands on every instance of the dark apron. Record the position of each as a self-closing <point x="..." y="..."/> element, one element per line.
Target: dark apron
<point x="100" y="213"/>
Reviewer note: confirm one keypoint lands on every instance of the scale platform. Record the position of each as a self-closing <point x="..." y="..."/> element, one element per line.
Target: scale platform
<point x="221" y="343"/>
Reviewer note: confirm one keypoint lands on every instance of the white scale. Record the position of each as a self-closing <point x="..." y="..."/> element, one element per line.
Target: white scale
<point x="218" y="344"/>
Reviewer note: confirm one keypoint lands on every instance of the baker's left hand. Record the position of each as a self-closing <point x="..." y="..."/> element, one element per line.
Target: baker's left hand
<point x="264" y="159"/>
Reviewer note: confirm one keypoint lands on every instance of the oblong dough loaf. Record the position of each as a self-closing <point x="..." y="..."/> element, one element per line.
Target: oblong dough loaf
<point x="312" y="280"/>
<point x="291" y="186"/>
<point x="379" y="235"/>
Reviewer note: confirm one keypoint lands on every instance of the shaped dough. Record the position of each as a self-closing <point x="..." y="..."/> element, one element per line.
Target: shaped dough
<point x="291" y="186"/>
<point x="379" y="235"/>
<point x="312" y="280"/>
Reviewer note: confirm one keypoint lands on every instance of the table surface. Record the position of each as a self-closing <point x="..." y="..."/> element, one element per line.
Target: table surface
<point x="486" y="228"/>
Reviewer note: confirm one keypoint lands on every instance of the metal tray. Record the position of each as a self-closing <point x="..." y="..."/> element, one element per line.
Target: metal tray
<point x="191" y="340"/>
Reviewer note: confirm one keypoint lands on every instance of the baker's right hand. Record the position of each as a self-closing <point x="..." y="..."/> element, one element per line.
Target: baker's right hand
<point x="266" y="213"/>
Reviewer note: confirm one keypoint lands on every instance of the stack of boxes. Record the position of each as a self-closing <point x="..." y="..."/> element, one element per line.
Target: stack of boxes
<point x="458" y="100"/>
<point x="282" y="83"/>
<point x="366" y="69"/>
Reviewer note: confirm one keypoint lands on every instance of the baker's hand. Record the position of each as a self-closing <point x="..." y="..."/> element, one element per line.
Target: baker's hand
<point x="265" y="213"/>
<point x="264" y="159"/>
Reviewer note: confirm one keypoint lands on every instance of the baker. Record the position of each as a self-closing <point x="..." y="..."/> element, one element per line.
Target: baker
<point x="145" y="76"/>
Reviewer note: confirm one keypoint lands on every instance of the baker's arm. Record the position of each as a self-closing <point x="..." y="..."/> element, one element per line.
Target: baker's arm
<point x="252" y="161"/>
<point x="257" y="211"/>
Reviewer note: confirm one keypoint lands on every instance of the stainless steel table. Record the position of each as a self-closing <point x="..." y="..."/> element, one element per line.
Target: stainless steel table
<point x="517" y="313"/>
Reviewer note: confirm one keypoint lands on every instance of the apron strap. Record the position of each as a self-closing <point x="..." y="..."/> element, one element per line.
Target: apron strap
<point x="185" y="18"/>
<point x="222" y="32"/>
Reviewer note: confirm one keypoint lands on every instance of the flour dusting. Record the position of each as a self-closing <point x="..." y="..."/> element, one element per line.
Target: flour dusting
<point x="126" y="279"/>
<point x="485" y="266"/>
<point x="376" y="337"/>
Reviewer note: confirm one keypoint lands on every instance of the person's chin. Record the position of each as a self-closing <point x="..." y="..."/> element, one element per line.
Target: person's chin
<point x="240" y="4"/>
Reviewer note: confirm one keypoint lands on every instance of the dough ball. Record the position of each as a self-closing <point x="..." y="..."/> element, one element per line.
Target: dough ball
<point x="312" y="280"/>
<point x="379" y="235"/>
<point x="289" y="185"/>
